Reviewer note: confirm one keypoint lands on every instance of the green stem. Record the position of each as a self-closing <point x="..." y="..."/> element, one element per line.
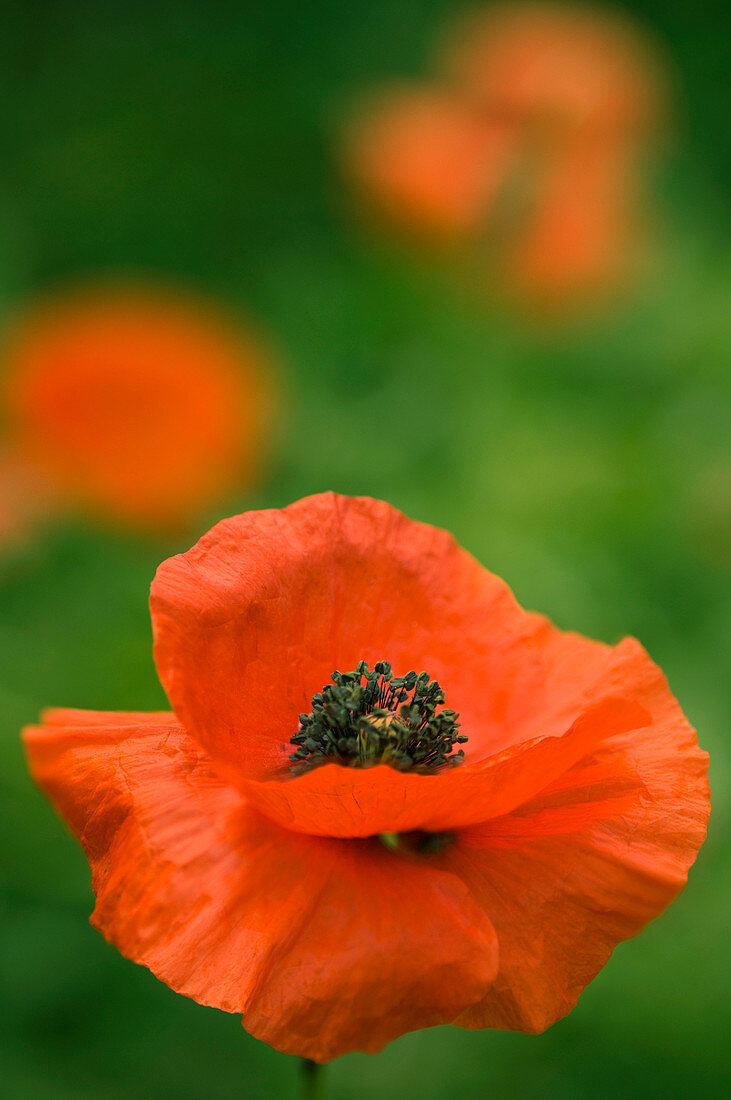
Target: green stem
<point x="310" y="1080"/>
<point x="389" y="840"/>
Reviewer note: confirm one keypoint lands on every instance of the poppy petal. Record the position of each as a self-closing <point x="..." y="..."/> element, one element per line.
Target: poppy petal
<point x="70" y="716"/>
<point x="319" y="586"/>
<point x="587" y="864"/>
<point x="579" y="671"/>
<point x="324" y="946"/>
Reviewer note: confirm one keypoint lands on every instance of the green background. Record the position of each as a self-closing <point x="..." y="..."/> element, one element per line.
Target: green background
<point x="587" y="464"/>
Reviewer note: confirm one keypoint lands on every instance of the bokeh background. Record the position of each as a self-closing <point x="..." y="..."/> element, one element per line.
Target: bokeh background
<point x="587" y="462"/>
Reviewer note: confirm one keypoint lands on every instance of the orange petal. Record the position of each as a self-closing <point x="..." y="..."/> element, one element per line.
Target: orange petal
<point x="252" y="621"/>
<point x="325" y="946"/>
<point x="119" y="719"/>
<point x="388" y="945"/>
<point x="589" y="862"/>
<point x="579" y="671"/>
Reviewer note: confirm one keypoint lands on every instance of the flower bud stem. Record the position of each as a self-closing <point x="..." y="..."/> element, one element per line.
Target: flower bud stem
<point x="311" y="1078"/>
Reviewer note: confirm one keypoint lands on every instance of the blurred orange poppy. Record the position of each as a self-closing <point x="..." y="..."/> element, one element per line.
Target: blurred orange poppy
<point x="580" y="236"/>
<point x="427" y="160"/>
<point x="570" y="66"/>
<point x="136" y="402"/>
<point x="528" y="151"/>
<point x="585" y="90"/>
<point x="324" y="859"/>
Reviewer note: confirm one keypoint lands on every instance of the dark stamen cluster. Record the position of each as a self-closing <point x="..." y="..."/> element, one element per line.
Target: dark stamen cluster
<point x="373" y="717"/>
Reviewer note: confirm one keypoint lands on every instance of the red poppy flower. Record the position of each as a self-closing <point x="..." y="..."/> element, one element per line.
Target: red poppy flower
<point x="584" y="89"/>
<point x="527" y="152"/>
<point x="135" y="402"/>
<point x="324" y="862"/>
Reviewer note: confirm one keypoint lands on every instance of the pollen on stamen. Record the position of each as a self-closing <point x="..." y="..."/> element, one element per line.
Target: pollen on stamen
<point x="367" y="717"/>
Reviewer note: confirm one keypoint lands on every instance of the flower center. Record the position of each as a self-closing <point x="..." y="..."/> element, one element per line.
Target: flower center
<point x="373" y="717"/>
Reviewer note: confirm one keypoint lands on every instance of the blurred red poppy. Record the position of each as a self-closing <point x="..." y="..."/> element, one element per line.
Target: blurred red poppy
<point x="135" y="402"/>
<point x="585" y="91"/>
<point x="578" y="239"/>
<point x="426" y="160"/>
<point x="528" y="151"/>
<point x="310" y="848"/>
<point x="558" y="65"/>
